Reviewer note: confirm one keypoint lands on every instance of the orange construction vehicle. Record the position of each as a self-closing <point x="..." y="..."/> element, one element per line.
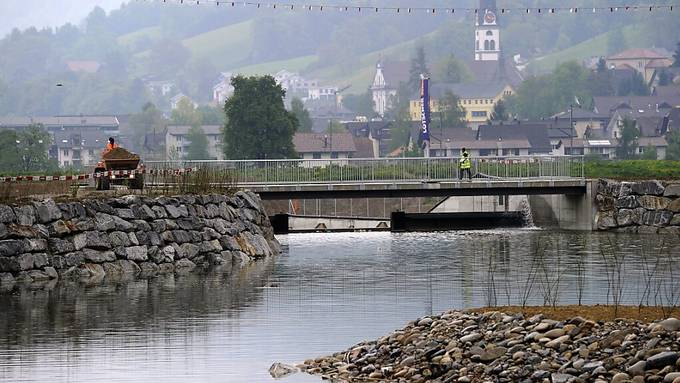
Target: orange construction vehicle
<point x="116" y="159"/>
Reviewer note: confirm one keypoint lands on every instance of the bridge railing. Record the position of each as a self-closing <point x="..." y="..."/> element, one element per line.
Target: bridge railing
<point x="384" y="169"/>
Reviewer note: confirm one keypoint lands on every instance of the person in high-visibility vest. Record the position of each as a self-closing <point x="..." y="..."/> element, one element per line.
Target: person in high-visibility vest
<point x="465" y="165"/>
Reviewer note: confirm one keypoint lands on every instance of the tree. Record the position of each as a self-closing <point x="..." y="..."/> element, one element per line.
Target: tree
<point x="9" y="155"/>
<point x="616" y="41"/>
<point x="149" y="120"/>
<point x="418" y="67"/>
<point x="361" y="104"/>
<point x="673" y="149"/>
<point x="628" y="142"/>
<point x="676" y="56"/>
<point x="258" y="125"/>
<point x="210" y="115"/>
<point x="451" y="70"/>
<point x="186" y="113"/>
<point x="664" y="78"/>
<point x="198" y="146"/>
<point x="638" y="85"/>
<point x="649" y="153"/>
<point x="452" y="114"/>
<point x="499" y="112"/>
<point x="302" y="115"/>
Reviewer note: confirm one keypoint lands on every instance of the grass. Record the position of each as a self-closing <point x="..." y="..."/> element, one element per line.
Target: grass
<point x="152" y="33"/>
<point x="596" y="46"/>
<point x="226" y="47"/>
<point x="296" y="64"/>
<point x="633" y="169"/>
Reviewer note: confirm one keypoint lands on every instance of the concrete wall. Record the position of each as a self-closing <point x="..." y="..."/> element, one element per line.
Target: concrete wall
<point x="567" y="212"/>
<point x="477" y="204"/>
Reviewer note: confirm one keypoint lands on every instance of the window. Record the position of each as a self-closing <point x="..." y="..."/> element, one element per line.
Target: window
<point x="493" y="45"/>
<point x="489" y="33"/>
<point x="486" y="45"/>
<point x="67" y="152"/>
<point x="334" y="155"/>
<point x="316" y="156"/>
<point x="478" y="113"/>
<point x="488" y="152"/>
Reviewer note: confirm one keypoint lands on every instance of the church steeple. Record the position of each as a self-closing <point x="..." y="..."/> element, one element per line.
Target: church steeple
<point x="487" y="32"/>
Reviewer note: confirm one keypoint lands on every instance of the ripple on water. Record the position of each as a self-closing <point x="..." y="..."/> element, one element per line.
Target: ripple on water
<point x="323" y="294"/>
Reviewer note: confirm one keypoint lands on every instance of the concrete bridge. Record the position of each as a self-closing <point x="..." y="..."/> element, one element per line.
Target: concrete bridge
<point x="559" y="179"/>
<point x="398" y="177"/>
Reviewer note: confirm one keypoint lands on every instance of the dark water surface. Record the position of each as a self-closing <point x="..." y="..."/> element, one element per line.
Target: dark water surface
<point x="325" y="293"/>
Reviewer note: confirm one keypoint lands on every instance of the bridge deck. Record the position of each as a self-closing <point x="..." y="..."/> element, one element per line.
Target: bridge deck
<point x="404" y="189"/>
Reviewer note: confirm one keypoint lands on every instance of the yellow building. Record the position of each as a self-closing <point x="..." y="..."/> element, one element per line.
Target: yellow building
<point x="493" y="77"/>
<point x="477" y="100"/>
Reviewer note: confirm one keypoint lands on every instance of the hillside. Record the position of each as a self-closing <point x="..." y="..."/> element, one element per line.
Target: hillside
<point x="634" y="36"/>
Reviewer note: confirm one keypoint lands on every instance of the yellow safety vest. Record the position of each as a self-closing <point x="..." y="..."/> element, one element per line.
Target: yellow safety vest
<point x="465" y="162"/>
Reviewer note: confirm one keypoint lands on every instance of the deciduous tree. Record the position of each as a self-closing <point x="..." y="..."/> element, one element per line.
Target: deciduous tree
<point x="198" y="144"/>
<point x="302" y="115"/>
<point x="258" y="125"/>
<point x="628" y="142"/>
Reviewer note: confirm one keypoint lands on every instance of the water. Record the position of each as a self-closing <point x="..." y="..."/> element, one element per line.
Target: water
<point x="325" y="293"/>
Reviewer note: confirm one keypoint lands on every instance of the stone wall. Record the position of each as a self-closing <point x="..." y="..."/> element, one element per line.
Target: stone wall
<point x="131" y="235"/>
<point x="638" y="207"/>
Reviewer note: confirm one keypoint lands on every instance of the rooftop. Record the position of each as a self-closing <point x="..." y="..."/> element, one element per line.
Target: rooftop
<point x="638" y="53"/>
<point x="315" y="143"/>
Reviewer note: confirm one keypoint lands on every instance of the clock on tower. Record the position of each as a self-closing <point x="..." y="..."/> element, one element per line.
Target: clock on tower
<point x="489" y="18"/>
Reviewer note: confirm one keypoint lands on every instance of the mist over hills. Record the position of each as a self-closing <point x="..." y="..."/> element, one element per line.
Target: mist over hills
<point x="190" y="45"/>
<point x="40" y="13"/>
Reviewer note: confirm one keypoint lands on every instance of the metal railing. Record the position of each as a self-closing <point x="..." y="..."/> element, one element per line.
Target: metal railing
<point x="304" y="171"/>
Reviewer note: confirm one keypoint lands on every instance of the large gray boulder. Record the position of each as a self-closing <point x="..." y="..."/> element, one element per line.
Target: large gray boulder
<point x="657" y="218"/>
<point x="672" y="190"/>
<point x="7" y="214"/>
<point x="650" y="202"/>
<point x="46" y="211"/>
<point x="93" y="240"/>
<point x="648" y="187"/>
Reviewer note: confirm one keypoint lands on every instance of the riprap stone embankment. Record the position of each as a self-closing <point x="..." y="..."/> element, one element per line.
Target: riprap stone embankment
<point x="497" y="347"/>
<point x="131" y="235"/>
<point x="646" y="207"/>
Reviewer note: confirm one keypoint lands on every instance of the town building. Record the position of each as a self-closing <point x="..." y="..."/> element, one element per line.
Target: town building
<point x="388" y="76"/>
<point x="647" y="62"/>
<point x="177" y="142"/>
<point x="315" y="146"/>
<point x="78" y="148"/>
<point x="160" y="88"/>
<point x="174" y="101"/>
<point x="223" y="89"/>
<point x="494" y="77"/>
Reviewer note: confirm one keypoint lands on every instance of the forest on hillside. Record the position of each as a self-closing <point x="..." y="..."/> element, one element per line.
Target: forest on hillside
<point x="190" y="45"/>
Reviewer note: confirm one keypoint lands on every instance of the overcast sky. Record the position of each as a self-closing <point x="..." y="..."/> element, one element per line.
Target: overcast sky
<point x="44" y="13"/>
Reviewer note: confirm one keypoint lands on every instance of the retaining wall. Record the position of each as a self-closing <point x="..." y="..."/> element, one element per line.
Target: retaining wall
<point x="131" y="235"/>
<point x="638" y="207"/>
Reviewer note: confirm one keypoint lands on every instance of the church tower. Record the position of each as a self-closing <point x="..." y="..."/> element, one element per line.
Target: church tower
<point x="487" y="32"/>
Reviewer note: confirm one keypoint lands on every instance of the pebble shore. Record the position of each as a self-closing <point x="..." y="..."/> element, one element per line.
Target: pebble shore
<point x="497" y="347"/>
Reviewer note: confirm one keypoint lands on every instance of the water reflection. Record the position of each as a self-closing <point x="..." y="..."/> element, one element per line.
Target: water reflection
<point x="326" y="292"/>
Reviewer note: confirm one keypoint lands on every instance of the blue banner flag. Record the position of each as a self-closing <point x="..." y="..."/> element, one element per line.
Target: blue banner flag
<point x="424" y="110"/>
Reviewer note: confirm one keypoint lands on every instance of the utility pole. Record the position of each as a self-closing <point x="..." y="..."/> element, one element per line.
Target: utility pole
<point x="571" y="128"/>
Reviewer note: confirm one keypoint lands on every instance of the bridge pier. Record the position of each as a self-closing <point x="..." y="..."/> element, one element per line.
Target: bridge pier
<point x="568" y="211"/>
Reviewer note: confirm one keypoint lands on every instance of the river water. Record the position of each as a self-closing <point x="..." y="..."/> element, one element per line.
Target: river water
<point x="323" y="294"/>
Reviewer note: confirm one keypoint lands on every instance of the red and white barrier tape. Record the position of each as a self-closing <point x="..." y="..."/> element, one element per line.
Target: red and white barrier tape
<point x="111" y="173"/>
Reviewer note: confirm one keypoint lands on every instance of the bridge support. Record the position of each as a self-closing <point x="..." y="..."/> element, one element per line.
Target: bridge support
<point x="568" y="212"/>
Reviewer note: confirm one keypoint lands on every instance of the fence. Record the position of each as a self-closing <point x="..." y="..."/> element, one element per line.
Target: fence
<point x="385" y="169"/>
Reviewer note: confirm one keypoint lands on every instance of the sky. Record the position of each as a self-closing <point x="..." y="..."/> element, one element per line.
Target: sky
<point x="47" y="13"/>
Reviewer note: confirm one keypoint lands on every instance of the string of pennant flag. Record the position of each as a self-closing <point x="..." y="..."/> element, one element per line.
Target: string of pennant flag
<point x="410" y="10"/>
<point x="82" y="177"/>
